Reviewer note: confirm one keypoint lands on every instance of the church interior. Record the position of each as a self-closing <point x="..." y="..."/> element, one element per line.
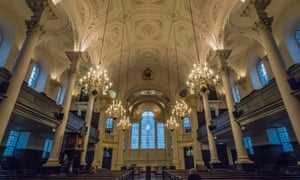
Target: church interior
<point x="127" y="89"/>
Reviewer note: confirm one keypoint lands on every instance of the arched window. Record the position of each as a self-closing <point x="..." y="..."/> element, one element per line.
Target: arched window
<point x="58" y="97"/>
<point x="186" y="124"/>
<point x="148" y="134"/>
<point x="34" y="75"/>
<point x="148" y="130"/>
<point x="298" y="35"/>
<point x="262" y="73"/>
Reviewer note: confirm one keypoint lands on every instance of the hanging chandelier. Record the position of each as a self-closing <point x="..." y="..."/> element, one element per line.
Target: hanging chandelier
<point x="124" y="123"/>
<point x="181" y="109"/>
<point x="201" y="76"/>
<point x="95" y="81"/>
<point x="115" y="109"/>
<point x="172" y="123"/>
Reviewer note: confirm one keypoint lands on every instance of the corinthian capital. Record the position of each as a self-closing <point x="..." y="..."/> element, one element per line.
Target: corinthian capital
<point x="223" y="56"/>
<point x="264" y="22"/>
<point x="74" y="57"/>
<point x="34" y="26"/>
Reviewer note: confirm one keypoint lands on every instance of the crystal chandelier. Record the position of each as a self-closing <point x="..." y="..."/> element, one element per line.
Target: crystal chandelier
<point x="124" y="123"/>
<point x="116" y="109"/>
<point x="172" y="123"/>
<point x="96" y="80"/>
<point x="181" y="109"/>
<point x="202" y="77"/>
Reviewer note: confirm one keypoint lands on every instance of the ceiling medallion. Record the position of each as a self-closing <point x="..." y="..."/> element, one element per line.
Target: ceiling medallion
<point x="147" y="74"/>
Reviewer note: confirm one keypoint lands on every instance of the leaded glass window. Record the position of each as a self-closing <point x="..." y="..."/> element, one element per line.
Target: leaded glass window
<point x="262" y="73"/>
<point x="160" y="135"/>
<point x="135" y="136"/>
<point x="34" y="76"/>
<point x="148" y="130"/>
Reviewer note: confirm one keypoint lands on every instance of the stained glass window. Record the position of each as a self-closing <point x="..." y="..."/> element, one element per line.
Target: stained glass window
<point x="148" y="130"/>
<point x="262" y="73"/>
<point x="34" y="75"/>
<point x="160" y="135"/>
<point x="135" y="136"/>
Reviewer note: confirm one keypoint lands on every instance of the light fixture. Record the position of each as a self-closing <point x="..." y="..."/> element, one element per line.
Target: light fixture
<point x="172" y="123"/>
<point x="201" y="76"/>
<point x="96" y="79"/>
<point x="124" y="123"/>
<point x="180" y="109"/>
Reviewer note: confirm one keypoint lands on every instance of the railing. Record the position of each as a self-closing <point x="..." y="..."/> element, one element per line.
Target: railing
<point x="259" y="104"/>
<point x="38" y="107"/>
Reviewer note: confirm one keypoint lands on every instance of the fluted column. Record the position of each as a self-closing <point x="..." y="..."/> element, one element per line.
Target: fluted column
<point x="88" y="121"/>
<point x="198" y="160"/>
<point x="60" y="131"/>
<point x="34" y="30"/>
<point x="242" y="156"/>
<point x="264" y="29"/>
<point x="97" y="162"/>
<point x="214" y="159"/>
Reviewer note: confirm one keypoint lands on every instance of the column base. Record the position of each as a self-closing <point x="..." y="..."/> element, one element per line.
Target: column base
<point x="52" y="163"/>
<point x="215" y="164"/>
<point x="243" y="161"/>
<point x="83" y="163"/>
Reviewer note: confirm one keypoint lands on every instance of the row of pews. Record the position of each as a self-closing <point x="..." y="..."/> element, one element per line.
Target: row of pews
<point x="229" y="174"/>
<point x="99" y="174"/>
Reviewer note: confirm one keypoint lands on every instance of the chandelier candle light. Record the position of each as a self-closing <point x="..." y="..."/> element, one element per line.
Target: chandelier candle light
<point x="96" y="80"/>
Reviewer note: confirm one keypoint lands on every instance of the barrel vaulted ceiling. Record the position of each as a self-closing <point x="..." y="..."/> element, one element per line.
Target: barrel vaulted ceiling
<point x="140" y="35"/>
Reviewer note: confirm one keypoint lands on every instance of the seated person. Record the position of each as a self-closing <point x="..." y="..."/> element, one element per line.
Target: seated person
<point x="193" y="175"/>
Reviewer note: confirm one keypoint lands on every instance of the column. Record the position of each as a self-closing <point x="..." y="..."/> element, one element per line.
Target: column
<point x="174" y="147"/>
<point x="88" y="121"/>
<point x="99" y="146"/>
<point x="198" y="160"/>
<point x="60" y="130"/>
<point x="264" y="29"/>
<point x="121" y="149"/>
<point x="34" y="31"/>
<point x="214" y="160"/>
<point x="242" y="155"/>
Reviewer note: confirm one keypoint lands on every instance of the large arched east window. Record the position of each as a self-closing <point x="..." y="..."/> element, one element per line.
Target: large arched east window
<point x="149" y="134"/>
<point x="34" y="75"/>
<point x="263" y="76"/>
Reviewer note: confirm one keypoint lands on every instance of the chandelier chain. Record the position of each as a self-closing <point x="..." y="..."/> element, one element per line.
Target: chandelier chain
<point x="194" y="31"/>
<point x="104" y="32"/>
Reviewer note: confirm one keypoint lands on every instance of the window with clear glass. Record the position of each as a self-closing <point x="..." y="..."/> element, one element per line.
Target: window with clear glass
<point x="148" y="130"/>
<point x="262" y="72"/>
<point x="186" y="124"/>
<point x="47" y="148"/>
<point x="135" y="136"/>
<point x="298" y="35"/>
<point x="280" y="136"/>
<point x="59" y="94"/>
<point x="160" y="135"/>
<point x="248" y="145"/>
<point x="109" y="125"/>
<point x="11" y="143"/>
<point x="1" y="38"/>
<point x="236" y="93"/>
<point x="34" y="75"/>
